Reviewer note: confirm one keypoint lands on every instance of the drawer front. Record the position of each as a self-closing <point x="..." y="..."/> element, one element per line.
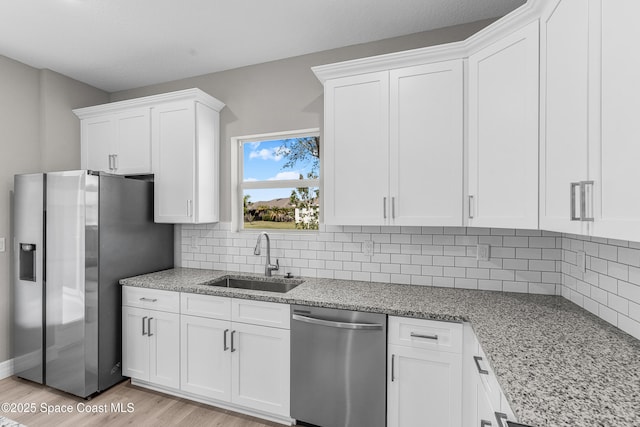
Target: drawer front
<point x="153" y="299"/>
<point x="426" y="334"/>
<point x="262" y="313"/>
<point x="205" y="306"/>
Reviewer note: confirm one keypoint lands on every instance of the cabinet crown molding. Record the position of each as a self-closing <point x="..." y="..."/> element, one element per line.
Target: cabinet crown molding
<point x="525" y="14"/>
<point x="194" y="94"/>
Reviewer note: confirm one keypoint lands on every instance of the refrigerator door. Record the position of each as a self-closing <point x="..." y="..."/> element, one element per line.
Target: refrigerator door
<point x="28" y="285"/>
<point x="130" y="244"/>
<point x="72" y="290"/>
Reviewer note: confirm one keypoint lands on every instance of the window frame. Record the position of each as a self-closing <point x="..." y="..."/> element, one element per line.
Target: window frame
<point x="238" y="185"/>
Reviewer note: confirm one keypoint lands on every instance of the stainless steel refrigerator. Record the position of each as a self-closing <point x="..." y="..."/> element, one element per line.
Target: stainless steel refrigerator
<point x="76" y="233"/>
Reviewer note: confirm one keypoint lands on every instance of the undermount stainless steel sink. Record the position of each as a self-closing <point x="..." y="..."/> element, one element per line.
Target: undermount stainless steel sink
<point x="280" y="286"/>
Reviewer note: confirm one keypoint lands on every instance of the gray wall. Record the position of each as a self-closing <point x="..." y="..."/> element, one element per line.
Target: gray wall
<point x="284" y="95"/>
<point x="38" y="133"/>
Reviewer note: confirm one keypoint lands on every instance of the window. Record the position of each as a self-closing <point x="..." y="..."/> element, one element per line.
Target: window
<point x="277" y="181"/>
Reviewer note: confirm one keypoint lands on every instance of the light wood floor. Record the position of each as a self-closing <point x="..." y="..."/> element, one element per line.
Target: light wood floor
<point x="151" y="408"/>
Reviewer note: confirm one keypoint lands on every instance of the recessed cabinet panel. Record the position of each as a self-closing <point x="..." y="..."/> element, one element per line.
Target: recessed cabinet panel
<point x="205" y="362"/>
<point x="564" y="95"/>
<point x="616" y="174"/>
<point x="260" y="368"/>
<point x="174" y="161"/>
<point x="426" y="141"/>
<point x="135" y="346"/>
<point x="503" y="132"/>
<point x="133" y="153"/>
<point x="424" y="385"/>
<point x="164" y="360"/>
<point x="98" y="135"/>
<point x="356" y="150"/>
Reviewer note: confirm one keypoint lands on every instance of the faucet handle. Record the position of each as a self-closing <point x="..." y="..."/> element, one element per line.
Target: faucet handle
<point x="277" y="266"/>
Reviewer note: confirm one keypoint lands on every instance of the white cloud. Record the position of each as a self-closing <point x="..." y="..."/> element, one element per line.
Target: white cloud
<point x="276" y="154"/>
<point x="285" y="175"/>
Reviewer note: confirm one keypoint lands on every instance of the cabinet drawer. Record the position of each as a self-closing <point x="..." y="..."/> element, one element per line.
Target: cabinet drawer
<point x="426" y="334"/>
<point x="261" y="313"/>
<point x="205" y="306"/>
<point x="153" y="299"/>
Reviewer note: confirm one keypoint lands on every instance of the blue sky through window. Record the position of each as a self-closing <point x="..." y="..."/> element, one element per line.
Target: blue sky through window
<point x="263" y="160"/>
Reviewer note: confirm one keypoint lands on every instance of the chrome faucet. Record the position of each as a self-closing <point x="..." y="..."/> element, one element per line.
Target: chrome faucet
<point x="268" y="267"/>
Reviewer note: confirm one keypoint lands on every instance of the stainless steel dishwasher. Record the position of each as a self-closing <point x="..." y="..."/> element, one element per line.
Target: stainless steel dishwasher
<point x="338" y="367"/>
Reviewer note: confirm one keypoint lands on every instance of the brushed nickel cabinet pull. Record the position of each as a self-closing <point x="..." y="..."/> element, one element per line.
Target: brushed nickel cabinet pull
<point x="427" y="337"/>
<point x="143" y="320"/>
<point x="384" y="207"/>
<point x="477" y="360"/>
<point x="224" y="345"/>
<point x="149" y="326"/>
<point x="393" y="207"/>
<point x="471" y="207"/>
<point x="393" y="367"/>
<point x="583" y="201"/>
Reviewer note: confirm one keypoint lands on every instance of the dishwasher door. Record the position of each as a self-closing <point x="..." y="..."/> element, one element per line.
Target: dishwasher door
<point x="338" y="367"/>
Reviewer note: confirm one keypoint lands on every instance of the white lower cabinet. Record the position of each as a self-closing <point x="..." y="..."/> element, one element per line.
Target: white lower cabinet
<point x="424" y="381"/>
<point x="206" y="365"/>
<point x="260" y="368"/>
<point x="484" y="402"/>
<point x="228" y="352"/>
<point x="149" y="351"/>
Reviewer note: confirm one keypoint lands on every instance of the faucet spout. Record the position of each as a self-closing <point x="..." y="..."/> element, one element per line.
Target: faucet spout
<point x="268" y="267"/>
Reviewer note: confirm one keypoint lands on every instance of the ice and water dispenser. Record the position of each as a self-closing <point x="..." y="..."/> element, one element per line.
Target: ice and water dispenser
<point x="28" y="262"/>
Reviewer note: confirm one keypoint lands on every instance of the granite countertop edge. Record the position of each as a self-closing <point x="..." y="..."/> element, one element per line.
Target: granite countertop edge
<point x="550" y="356"/>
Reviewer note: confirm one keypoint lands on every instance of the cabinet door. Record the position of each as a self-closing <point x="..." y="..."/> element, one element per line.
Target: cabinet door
<point x="173" y="141"/>
<point x="133" y="142"/>
<point x="486" y="415"/>
<point x="98" y="135"/>
<point x="615" y="156"/>
<point x="135" y="343"/>
<point x="424" y="388"/>
<point x="503" y="132"/>
<point x="205" y="357"/>
<point x="426" y="128"/>
<point x="164" y="353"/>
<point x="356" y="150"/>
<point x="260" y="366"/>
<point x="564" y="120"/>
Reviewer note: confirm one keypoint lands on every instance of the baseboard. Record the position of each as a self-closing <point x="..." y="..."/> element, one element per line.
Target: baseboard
<point x="6" y="369"/>
<point x="287" y="421"/>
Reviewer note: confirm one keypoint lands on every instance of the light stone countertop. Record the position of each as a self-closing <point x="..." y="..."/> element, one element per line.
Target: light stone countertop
<point x="557" y="364"/>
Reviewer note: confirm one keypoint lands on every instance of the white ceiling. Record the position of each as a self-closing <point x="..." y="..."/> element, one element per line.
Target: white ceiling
<point x="123" y="44"/>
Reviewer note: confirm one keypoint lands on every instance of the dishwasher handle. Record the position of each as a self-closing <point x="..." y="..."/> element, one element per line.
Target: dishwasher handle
<point x="334" y="324"/>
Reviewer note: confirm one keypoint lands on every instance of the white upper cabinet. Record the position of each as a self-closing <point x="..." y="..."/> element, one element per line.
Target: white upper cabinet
<point x="503" y="132"/>
<point x="356" y="150"/>
<point x="186" y="146"/>
<point x="589" y="132"/>
<point x="564" y="121"/>
<point x="426" y="141"/>
<point x="393" y="147"/>
<point x="175" y="136"/>
<point x="117" y="143"/>
<point x="615" y="149"/>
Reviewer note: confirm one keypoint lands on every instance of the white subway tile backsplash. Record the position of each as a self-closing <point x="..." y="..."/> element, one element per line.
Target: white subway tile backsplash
<point x="530" y="261"/>
<point x="611" y="279"/>
<point x="628" y="325"/>
<point x="619" y="271"/>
